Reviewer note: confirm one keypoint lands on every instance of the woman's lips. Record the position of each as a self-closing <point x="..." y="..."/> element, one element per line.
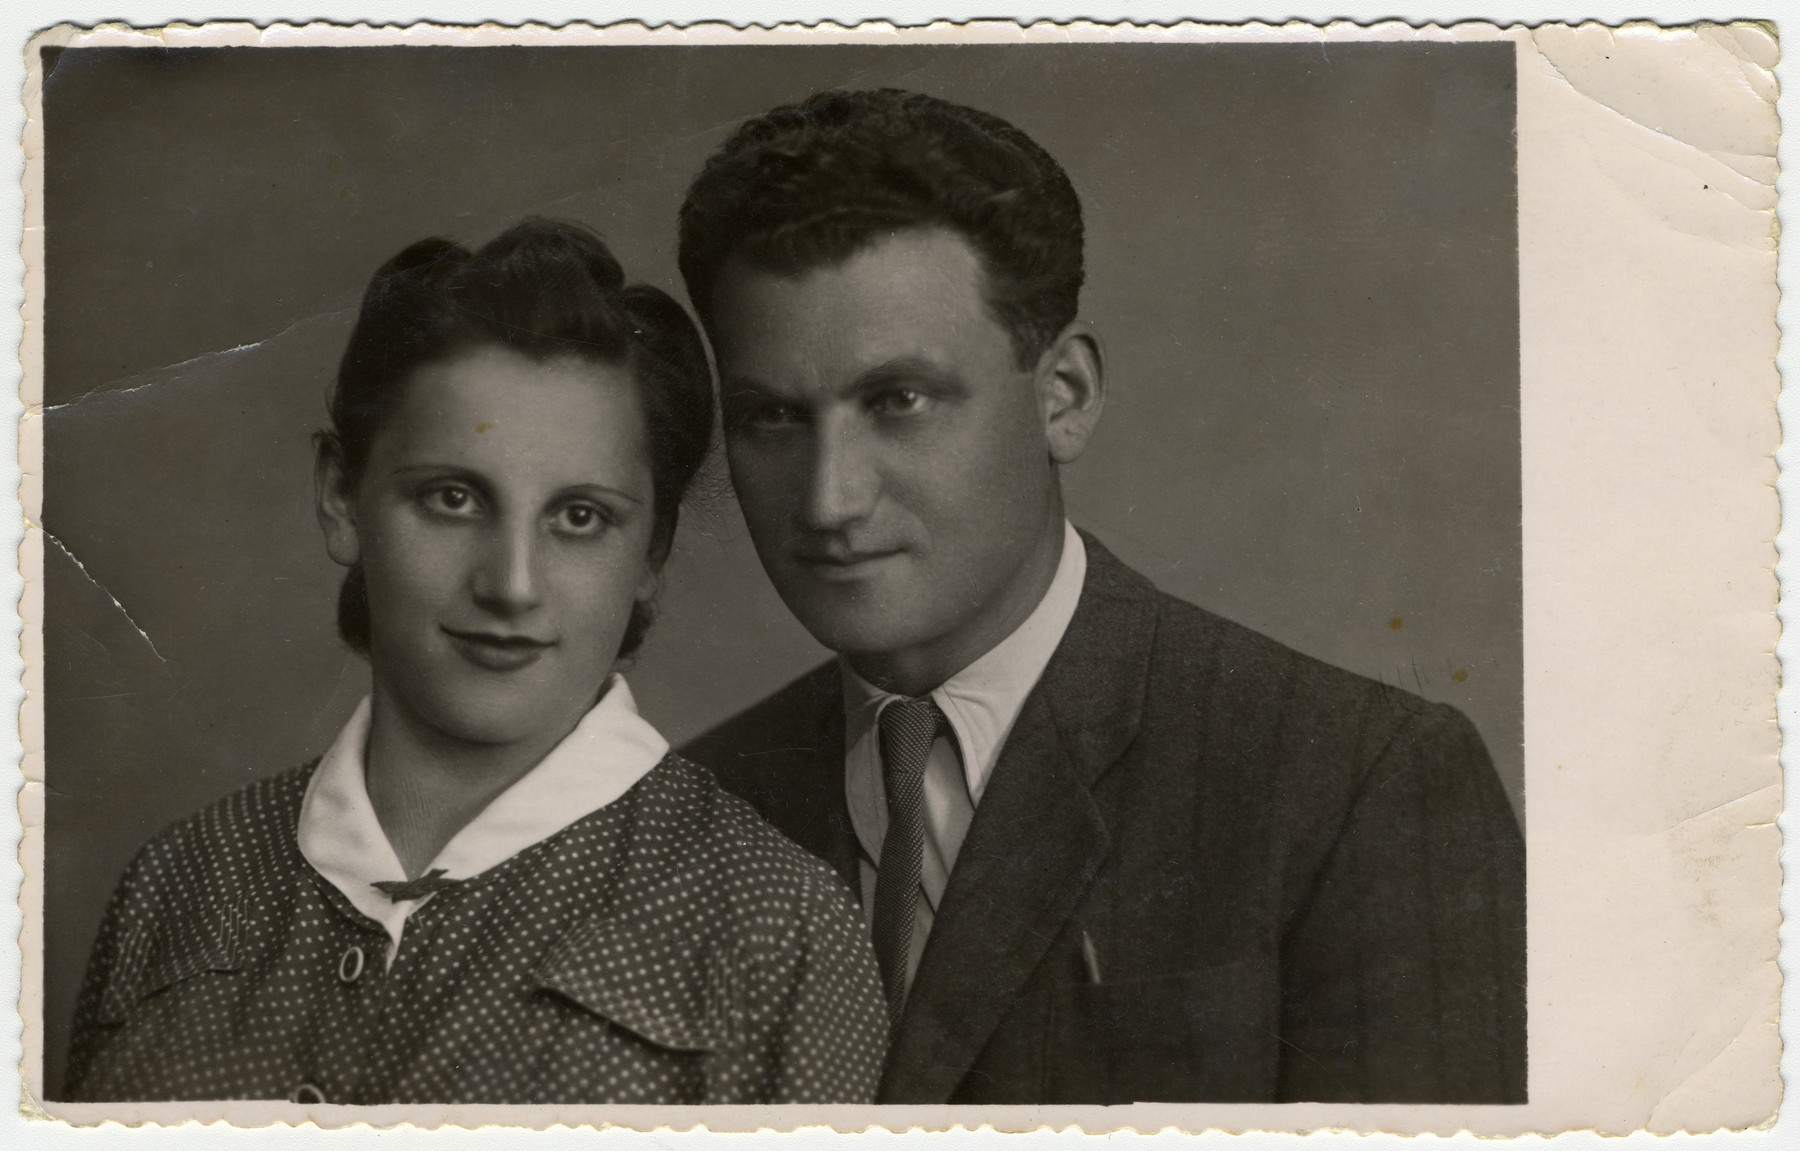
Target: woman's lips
<point x="493" y="651"/>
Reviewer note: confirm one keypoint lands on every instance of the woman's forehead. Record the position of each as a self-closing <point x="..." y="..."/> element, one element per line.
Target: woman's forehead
<point x="490" y="405"/>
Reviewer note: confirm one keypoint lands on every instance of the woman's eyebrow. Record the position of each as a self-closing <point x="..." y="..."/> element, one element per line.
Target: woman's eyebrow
<point x="607" y="489"/>
<point x="447" y="471"/>
<point x="477" y="480"/>
<point x="410" y="473"/>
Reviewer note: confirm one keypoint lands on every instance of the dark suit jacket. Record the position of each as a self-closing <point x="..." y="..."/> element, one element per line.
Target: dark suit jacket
<point x="1300" y="884"/>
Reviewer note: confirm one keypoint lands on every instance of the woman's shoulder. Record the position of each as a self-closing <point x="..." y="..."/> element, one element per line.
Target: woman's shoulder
<point x="696" y="877"/>
<point x="697" y="824"/>
<point x="269" y="799"/>
<point x="245" y="831"/>
<point x="187" y="901"/>
<point x="718" y="934"/>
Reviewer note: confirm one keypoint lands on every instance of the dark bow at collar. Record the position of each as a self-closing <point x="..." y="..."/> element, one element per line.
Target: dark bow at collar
<point x="401" y="890"/>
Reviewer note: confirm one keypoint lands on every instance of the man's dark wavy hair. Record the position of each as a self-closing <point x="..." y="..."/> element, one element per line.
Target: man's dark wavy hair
<point x="811" y="184"/>
<point x="542" y="288"/>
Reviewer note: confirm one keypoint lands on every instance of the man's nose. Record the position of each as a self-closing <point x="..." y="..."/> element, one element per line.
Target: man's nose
<point x="845" y="482"/>
<point x="508" y="579"/>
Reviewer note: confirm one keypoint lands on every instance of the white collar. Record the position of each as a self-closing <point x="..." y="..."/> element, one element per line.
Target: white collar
<point x="983" y="700"/>
<point x="609" y="751"/>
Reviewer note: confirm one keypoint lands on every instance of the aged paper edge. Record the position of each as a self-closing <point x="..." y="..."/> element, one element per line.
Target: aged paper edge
<point x="1139" y="1118"/>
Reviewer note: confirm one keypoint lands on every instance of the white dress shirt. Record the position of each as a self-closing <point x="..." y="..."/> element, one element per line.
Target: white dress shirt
<point x="981" y="702"/>
<point x="609" y="751"/>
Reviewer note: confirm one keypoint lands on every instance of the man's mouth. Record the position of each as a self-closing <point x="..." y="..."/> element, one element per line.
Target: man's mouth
<point x="842" y="563"/>
<point x="497" y="651"/>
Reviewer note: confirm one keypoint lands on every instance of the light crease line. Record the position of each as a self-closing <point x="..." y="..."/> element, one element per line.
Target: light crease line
<point x="63" y="548"/>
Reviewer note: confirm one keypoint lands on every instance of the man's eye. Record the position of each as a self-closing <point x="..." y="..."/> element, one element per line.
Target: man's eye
<point x="767" y="416"/>
<point x="898" y="402"/>
<point x="450" y="500"/>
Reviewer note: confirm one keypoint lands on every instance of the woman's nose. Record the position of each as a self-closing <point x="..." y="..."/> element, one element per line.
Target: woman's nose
<point x="507" y="580"/>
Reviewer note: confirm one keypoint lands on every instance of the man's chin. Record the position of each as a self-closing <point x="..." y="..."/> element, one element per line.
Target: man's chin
<point x="855" y="629"/>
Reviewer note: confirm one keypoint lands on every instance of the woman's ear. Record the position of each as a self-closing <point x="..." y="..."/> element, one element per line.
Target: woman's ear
<point x="1072" y="390"/>
<point x="662" y="540"/>
<point x="333" y="503"/>
<point x="649" y="586"/>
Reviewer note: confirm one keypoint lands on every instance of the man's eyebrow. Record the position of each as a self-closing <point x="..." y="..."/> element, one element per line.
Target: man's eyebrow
<point x="729" y="385"/>
<point x="904" y="370"/>
<point x="916" y="370"/>
<point x="737" y="391"/>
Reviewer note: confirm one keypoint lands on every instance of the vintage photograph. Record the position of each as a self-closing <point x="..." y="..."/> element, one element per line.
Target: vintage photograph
<point x="669" y="574"/>
<point x="1215" y="865"/>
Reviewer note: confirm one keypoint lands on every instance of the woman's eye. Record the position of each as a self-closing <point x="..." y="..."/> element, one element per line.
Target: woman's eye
<point x="581" y="520"/>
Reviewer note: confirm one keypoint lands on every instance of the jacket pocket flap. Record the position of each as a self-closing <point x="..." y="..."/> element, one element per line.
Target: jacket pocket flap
<point x="145" y="962"/>
<point x="668" y="991"/>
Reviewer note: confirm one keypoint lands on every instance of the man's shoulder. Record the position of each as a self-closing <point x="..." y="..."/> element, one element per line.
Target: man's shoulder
<point x="1285" y="733"/>
<point x="786" y="723"/>
<point x="784" y="756"/>
<point x="1263" y="665"/>
<point x="1208" y="665"/>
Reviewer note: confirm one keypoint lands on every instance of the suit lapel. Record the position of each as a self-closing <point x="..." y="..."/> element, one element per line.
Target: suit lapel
<point x="1037" y="839"/>
<point x="804" y="777"/>
<point x="833" y="837"/>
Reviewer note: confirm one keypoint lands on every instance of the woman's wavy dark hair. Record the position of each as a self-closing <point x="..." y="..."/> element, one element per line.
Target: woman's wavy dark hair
<point x="543" y="288"/>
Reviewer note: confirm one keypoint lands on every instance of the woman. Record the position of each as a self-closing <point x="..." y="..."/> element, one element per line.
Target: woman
<point x="497" y="886"/>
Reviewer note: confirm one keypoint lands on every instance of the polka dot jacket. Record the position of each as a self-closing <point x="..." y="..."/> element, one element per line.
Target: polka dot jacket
<point x="667" y="948"/>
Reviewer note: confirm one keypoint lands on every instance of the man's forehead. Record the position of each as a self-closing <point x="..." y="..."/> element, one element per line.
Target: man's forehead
<point x="797" y="259"/>
<point x="910" y="266"/>
<point x="914" y="295"/>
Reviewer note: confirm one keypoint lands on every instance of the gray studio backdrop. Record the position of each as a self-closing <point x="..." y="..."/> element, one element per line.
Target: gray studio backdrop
<point x="1303" y="261"/>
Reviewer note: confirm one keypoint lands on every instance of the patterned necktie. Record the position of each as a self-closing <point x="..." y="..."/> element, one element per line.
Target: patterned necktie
<point x="908" y="727"/>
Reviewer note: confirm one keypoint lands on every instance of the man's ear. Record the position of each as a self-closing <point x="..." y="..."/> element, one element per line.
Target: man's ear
<point x="333" y="503"/>
<point x="1071" y="378"/>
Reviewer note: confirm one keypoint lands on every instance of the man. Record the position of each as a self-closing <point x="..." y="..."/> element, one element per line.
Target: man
<point x="1111" y="847"/>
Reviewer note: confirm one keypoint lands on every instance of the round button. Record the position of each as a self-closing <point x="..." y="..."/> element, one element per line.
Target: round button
<point x="307" y="1093"/>
<point x="350" y="967"/>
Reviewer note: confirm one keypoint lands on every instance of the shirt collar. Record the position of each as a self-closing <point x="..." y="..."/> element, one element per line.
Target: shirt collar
<point x="609" y="751"/>
<point x="983" y="700"/>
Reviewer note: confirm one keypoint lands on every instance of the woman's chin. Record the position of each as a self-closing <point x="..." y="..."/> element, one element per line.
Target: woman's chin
<point x="498" y="718"/>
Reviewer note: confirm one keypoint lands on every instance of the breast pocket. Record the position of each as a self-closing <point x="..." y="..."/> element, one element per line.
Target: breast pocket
<point x="146" y="963"/>
<point x="679" y="997"/>
<point x="625" y="1037"/>
<point x="1198" y="1036"/>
